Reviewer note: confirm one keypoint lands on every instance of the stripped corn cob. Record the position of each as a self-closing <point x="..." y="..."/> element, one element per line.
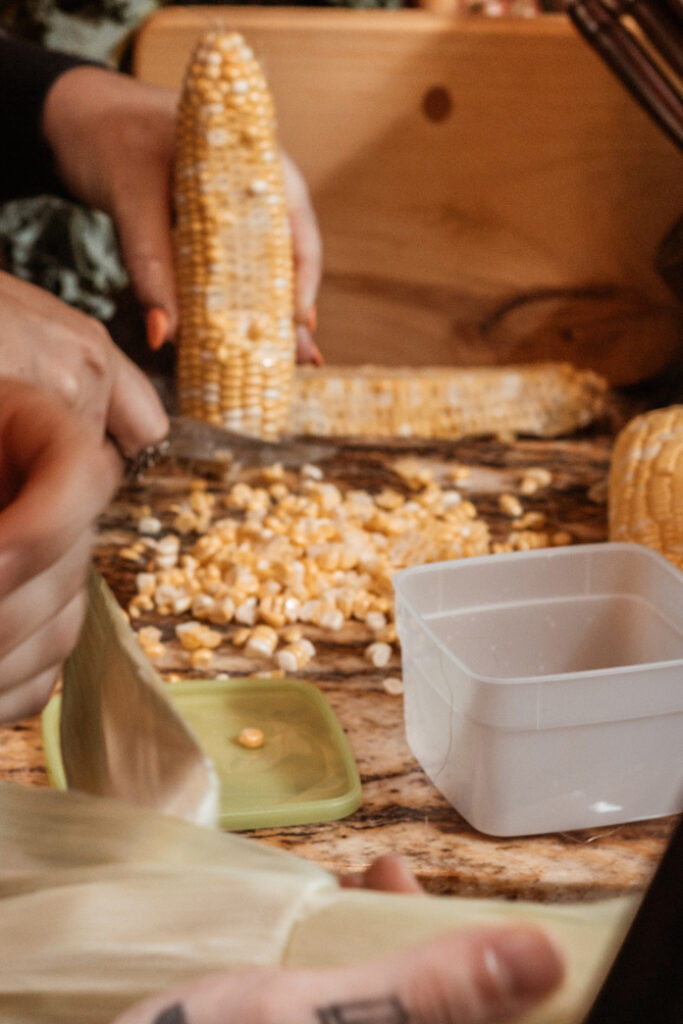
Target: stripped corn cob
<point x="233" y="246"/>
<point x="646" y="483"/>
<point x="544" y="399"/>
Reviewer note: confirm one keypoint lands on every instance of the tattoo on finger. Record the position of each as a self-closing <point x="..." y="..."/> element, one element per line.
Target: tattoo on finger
<point x="171" y="1015"/>
<point x="364" y="1011"/>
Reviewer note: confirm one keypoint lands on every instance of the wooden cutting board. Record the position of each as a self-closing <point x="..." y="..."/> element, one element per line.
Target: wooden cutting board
<point x="487" y="191"/>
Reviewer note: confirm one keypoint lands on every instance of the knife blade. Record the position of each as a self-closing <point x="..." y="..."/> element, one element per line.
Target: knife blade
<point x="190" y="439"/>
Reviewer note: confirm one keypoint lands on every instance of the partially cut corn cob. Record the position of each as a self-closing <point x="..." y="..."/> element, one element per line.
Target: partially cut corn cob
<point x="646" y="483"/>
<point x="543" y="399"/>
<point x="233" y="247"/>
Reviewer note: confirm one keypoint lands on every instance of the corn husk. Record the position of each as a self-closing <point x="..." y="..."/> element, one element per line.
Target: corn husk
<point x="102" y="904"/>
<point x="120" y="734"/>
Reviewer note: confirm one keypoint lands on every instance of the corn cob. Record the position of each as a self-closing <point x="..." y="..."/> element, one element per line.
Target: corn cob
<point x="646" y="483"/>
<point x="544" y="399"/>
<point x="232" y="244"/>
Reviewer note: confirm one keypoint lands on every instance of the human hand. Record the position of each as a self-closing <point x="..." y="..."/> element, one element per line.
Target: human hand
<point x="477" y="976"/>
<point x="66" y="353"/>
<point x="307" y="247"/>
<point x="113" y="140"/>
<point x="55" y="477"/>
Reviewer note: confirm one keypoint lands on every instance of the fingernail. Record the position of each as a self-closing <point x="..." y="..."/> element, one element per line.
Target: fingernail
<point x="156" y="321"/>
<point x="528" y="959"/>
<point x="316" y="355"/>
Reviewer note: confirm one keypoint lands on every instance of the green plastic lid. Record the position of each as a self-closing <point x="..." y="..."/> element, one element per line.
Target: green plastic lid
<point x="305" y="771"/>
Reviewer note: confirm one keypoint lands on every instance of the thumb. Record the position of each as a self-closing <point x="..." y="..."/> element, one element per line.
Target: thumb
<point x="144" y="228"/>
<point x="135" y="416"/>
<point x="307" y="249"/>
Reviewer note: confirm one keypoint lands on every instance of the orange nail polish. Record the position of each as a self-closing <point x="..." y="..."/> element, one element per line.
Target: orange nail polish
<point x="156" y="322"/>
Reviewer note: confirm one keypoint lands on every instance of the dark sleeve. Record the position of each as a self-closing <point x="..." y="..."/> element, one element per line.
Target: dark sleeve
<point x="27" y="72"/>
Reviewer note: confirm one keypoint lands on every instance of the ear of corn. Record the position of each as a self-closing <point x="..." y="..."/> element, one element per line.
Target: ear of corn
<point x="543" y="399"/>
<point x="233" y="247"/>
<point x="646" y="483"/>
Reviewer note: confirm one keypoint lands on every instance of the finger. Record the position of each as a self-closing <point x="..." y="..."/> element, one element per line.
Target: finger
<point x="391" y="874"/>
<point x="143" y="222"/>
<point x="306" y="349"/>
<point x="306" y="242"/>
<point x="157" y="327"/>
<point x="30" y="697"/>
<point x="135" y="417"/>
<point x="41" y="598"/>
<point x="41" y="651"/>
<point x="475" y="977"/>
<point x="67" y="479"/>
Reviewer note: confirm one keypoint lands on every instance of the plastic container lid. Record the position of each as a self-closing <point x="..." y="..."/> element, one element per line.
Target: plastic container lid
<point x="305" y="771"/>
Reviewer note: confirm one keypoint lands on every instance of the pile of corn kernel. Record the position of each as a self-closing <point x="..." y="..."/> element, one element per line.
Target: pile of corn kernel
<point x="250" y="569"/>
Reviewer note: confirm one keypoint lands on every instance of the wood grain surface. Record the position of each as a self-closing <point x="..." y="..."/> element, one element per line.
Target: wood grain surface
<point x="488" y="192"/>
<point x="402" y="811"/>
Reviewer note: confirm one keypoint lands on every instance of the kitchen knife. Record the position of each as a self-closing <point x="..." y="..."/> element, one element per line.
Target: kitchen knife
<point x="645" y="983"/>
<point x="190" y="439"/>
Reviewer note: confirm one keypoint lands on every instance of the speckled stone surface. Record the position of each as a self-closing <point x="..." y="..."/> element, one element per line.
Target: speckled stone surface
<point x="402" y="812"/>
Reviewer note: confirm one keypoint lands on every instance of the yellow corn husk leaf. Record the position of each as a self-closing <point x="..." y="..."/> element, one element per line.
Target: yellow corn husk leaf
<point x="234" y="267"/>
<point x="102" y="904"/>
<point x="539" y="399"/>
<point x="645" y="499"/>
<point x="120" y="734"/>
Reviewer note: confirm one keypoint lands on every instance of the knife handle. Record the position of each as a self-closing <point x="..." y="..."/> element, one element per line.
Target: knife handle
<point x="645" y="982"/>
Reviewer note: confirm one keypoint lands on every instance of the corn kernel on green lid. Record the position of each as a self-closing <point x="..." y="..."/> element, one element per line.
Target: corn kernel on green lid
<point x="303" y="773"/>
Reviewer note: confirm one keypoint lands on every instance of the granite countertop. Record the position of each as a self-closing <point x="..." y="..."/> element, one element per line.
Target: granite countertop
<point x="402" y="812"/>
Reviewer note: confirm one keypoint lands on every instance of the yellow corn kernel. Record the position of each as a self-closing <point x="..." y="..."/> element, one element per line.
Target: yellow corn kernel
<point x="149" y="525"/>
<point x="530" y="521"/>
<point x="263" y="640"/>
<point x="130" y="554"/>
<point x="509" y="505"/>
<point x="140" y="603"/>
<point x="295" y="656"/>
<point x="379" y="653"/>
<point x="251" y="738"/>
<point x="148" y="635"/>
<point x="195" y="635"/>
<point x="389" y="499"/>
<point x="240" y="638"/>
<point x="534" y="478"/>
<point x="202" y="658"/>
<point x="233" y="247"/>
<point x="375" y="621"/>
<point x="292" y="634"/>
<point x="154" y="652"/>
<point x="560" y="538"/>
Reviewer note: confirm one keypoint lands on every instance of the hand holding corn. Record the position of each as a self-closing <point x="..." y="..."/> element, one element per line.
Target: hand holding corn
<point x="113" y="141"/>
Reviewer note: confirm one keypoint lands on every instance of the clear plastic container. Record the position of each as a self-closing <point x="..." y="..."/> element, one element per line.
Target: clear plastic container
<point x="544" y="689"/>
